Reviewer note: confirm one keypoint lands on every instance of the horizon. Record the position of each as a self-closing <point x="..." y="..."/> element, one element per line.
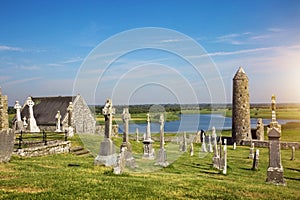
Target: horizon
<point x="57" y="49"/>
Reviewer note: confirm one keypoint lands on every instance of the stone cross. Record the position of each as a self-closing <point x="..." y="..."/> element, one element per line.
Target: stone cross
<point x="260" y="130"/>
<point x="184" y="143"/>
<point x="214" y="135"/>
<point x="70" y="113"/>
<point x="32" y="123"/>
<point x="275" y="169"/>
<point x="18" y="113"/>
<point x="126" y="117"/>
<point x="108" y="112"/>
<point x="293" y="153"/>
<point x="58" y="117"/>
<point x="148" y="131"/>
<point x="162" y="138"/>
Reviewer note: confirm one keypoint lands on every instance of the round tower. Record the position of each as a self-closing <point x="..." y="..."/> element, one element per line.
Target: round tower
<point x="241" y="127"/>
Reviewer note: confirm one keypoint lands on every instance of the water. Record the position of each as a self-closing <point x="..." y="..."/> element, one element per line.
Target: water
<point x="195" y="122"/>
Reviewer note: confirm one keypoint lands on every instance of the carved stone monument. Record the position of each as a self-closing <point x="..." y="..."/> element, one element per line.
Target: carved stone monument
<point x="58" y="117"/>
<point x="3" y="111"/>
<point x="149" y="152"/>
<point x="126" y="117"/>
<point x="203" y="146"/>
<point x="260" y="130"/>
<point x="162" y="153"/>
<point x="31" y="121"/>
<point x="275" y="169"/>
<point x="70" y="119"/>
<point x="107" y="155"/>
<point x="18" y="123"/>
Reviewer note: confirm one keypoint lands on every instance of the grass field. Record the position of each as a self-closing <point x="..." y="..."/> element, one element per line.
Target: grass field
<point x="67" y="176"/>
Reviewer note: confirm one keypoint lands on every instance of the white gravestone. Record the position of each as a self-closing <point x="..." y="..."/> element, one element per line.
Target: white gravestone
<point x="32" y="123"/>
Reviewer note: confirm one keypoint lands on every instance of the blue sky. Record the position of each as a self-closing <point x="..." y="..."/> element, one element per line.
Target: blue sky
<point x="43" y="46"/>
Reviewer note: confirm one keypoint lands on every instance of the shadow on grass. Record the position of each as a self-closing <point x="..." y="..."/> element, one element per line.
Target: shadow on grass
<point x="298" y="170"/>
<point x="294" y="179"/>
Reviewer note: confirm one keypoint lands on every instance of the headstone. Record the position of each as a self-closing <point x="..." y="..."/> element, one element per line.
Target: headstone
<point x="210" y="149"/>
<point x="214" y="135"/>
<point x="260" y="130"/>
<point x="107" y="155"/>
<point x="202" y="135"/>
<point x="58" y="117"/>
<point x="275" y="169"/>
<point x="126" y="117"/>
<point x="137" y="134"/>
<point x="149" y="152"/>
<point x="203" y="147"/>
<point x="256" y="160"/>
<point x="3" y="111"/>
<point x="162" y="153"/>
<point x="18" y="123"/>
<point x="31" y="121"/>
<point x="70" y="119"/>
<point x="25" y="123"/>
<point x="293" y="153"/>
<point x="216" y="157"/>
<point x="198" y="137"/>
<point x="191" y="149"/>
<point x="7" y="140"/>
<point x="225" y="157"/>
<point x="251" y="154"/>
<point x="184" y="143"/>
<point x="120" y="164"/>
<point x="234" y="146"/>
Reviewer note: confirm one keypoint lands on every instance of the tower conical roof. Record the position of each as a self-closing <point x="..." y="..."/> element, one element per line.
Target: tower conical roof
<point x="240" y="74"/>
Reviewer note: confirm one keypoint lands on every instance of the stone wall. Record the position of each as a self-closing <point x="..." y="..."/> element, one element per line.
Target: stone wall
<point x="283" y="144"/>
<point x="55" y="148"/>
<point x="83" y="119"/>
<point x="7" y="140"/>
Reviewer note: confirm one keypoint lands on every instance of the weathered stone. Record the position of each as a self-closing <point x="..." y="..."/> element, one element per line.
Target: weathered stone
<point x="3" y="111"/>
<point x="251" y="154"/>
<point x="210" y="149"/>
<point x="293" y="153"/>
<point x="203" y="147"/>
<point x="31" y="121"/>
<point x="241" y="126"/>
<point x="126" y="117"/>
<point x="18" y="126"/>
<point x="184" y="143"/>
<point x="107" y="155"/>
<point x="234" y="146"/>
<point x="7" y="140"/>
<point x="275" y="169"/>
<point x="149" y="152"/>
<point x="197" y="138"/>
<point x="260" y="130"/>
<point x="58" y="117"/>
<point x="191" y="149"/>
<point x="225" y="158"/>
<point x="162" y="153"/>
<point x="256" y="160"/>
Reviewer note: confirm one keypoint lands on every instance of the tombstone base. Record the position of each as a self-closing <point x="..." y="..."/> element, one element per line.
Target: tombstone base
<point x="275" y="176"/>
<point x="149" y="152"/>
<point x="107" y="155"/>
<point x="216" y="162"/>
<point x="162" y="158"/>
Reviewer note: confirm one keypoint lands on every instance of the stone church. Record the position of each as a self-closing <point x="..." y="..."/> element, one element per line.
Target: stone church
<point x="45" y="111"/>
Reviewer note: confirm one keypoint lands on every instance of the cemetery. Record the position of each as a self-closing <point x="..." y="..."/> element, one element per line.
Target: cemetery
<point x="38" y="160"/>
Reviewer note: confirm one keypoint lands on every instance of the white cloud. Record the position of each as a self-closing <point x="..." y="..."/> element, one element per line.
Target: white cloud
<point x="31" y="67"/>
<point x="22" y="80"/>
<point x="72" y="60"/>
<point x="276" y="30"/>
<point x="9" y="48"/>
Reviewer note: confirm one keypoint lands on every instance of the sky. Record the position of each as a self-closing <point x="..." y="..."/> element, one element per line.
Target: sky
<point x="106" y="49"/>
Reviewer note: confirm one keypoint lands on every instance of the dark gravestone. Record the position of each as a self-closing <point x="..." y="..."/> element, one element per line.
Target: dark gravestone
<point x="7" y="140"/>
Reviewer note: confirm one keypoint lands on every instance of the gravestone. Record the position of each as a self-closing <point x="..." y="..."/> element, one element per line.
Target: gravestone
<point x="70" y="119"/>
<point x="293" y="153"/>
<point x="31" y="121"/>
<point x="121" y="161"/>
<point x="213" y="135"/>
<point x="191" y="149"/>
<point x="255" y="160"/>
<point x="216" y="157"/>
<point x="275" y="169"/>
<point x="210" y="149"/>
<point x="198" y="137"/>
<point x="260" y="130"/>
<point x="137" y="134"/>
<point x="18" y="123"/>
<point x="203" y="147"/>
<point x="162" y="153"/>
<point x="149" y="152"/>
<point x="184" y="143"/>
<point x="7" y="140"/>
<point x="251" y="154"/>
<point x="58" y="117"/>
<point x="225" y="158"/>
<point x="107" y="155"/>
<point x="234" y="146"/>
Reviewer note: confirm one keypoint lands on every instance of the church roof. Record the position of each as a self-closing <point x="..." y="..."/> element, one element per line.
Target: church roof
<point x="240" y="74"/>
<point x="45" y="108"/>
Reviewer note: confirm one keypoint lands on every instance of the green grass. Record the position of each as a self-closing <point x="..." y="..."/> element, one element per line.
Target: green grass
<point x="67" y="176"/>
